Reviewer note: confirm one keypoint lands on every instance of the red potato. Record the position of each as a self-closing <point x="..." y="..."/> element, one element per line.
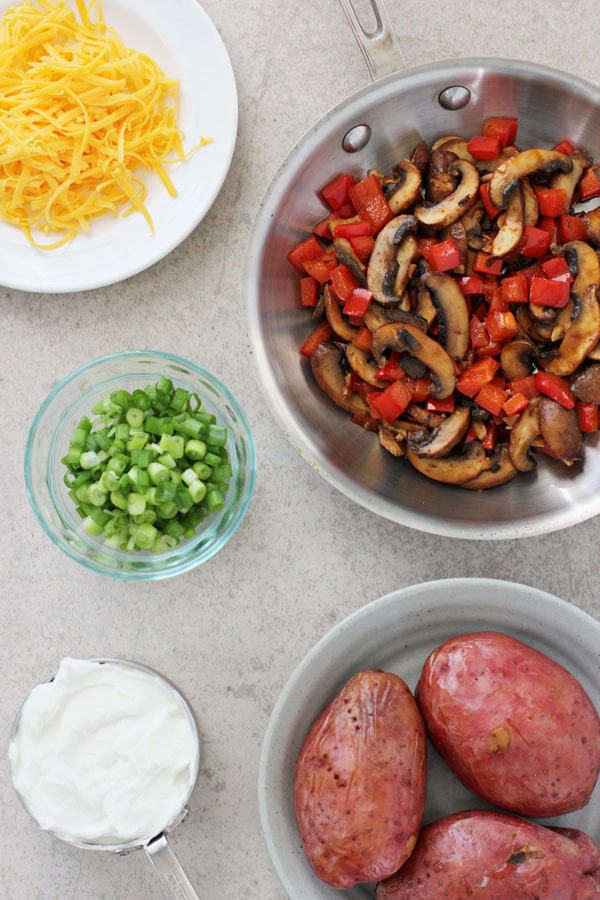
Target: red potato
<point x="359" y="785"/>
<point x="495" y="856"/>
<point x="514" y="726"/>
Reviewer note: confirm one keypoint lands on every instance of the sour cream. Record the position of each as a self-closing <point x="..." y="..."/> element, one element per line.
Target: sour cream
<point x="105" y="753"/>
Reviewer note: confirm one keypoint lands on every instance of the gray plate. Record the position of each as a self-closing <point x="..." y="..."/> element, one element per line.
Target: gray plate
<point x="396" y="633"/>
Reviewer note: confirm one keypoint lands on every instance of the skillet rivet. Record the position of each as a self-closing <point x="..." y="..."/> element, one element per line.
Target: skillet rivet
<point x="356" y="138"/>
<point x="456" y="96"/>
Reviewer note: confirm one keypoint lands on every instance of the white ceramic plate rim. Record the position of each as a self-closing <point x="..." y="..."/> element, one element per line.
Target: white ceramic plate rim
<point x="383" y="633"/>
<point x="182" y="39"/>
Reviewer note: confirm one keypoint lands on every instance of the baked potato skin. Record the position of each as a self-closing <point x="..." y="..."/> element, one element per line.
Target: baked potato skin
<point x="495" y="856"/>
<point x="359" y="781"/>
<point x="514" y="726"/>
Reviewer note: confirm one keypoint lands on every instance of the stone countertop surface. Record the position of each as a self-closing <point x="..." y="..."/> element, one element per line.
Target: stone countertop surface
<point x="231" y="633"/>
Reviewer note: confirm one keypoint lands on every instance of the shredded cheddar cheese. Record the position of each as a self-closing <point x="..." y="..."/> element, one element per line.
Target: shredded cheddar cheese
<point x="81" y="116"/>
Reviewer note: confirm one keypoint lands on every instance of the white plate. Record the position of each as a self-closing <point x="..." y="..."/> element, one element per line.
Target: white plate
<point x="183" y="41"/>
<point x="396" y="633"/>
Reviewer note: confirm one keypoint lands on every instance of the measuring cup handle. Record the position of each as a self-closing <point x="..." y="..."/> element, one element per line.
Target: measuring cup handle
<point x="169" y="869"/>
<point x="379" y="46"/>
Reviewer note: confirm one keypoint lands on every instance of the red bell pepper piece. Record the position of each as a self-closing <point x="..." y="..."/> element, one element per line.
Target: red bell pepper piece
<point x="476" y="376"/>
<point x="335" y="193"/>
<point x="525" y="385"/>
<point x="444" y="255"/>
<point x="391" y="402"/>
<point x="343" y="282"/>
<point x="484" y="192"/>
<point x="501" y="325"/>
<point x="556" y="387"/>
<point x="587" y="414"/>
<point x="363" y="338"/>
<point x="478" y="333"/>
<point x="484" y="147"/>
<point x="358" y="303"/>
<point x="420" y="388"/>
<point x="392" y="370"/>
<point x="515" y="288"/>
<point x="492" y="398"/>
<point x="362" y="246"/>
<point x="552" y="202"/>
<point x="589" y="184"/>
<point x="515" y="404"/>
<point x="351" y="229"/>
<point x="370" y="202"/>
<point x="549" y="292"/>
<point x="441" y="406"/>
<point x="557" y="268"/>
<point x="322" y="332"/>
<point x="323" y="228"/>
<point x="309" y="291"/>
<point x="308" y="249"/>
<point x="470" y="285"/>
<point x="321" y="267"/>
<point x="570" y="228"/>
<point x="502" y="127"/>
<point x="565" y="146"/>
<point x="535" y="242"/>
<point x="486" y="264"/>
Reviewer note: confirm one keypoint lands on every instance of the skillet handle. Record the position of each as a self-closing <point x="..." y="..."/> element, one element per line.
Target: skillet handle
<point x="379" y="45"/>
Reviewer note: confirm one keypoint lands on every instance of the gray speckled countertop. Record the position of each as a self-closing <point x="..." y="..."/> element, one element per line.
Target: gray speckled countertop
<point x="230" y="634"/>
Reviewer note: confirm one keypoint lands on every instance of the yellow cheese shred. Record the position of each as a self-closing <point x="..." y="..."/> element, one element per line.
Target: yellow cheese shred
<point x="80" y="115"/>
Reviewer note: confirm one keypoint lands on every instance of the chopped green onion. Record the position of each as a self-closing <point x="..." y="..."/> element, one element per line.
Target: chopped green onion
<point x="146" y="468"/>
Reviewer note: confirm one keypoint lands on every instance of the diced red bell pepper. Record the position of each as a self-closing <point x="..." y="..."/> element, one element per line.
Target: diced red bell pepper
<point x="487" y="264"/>
<point x="476" y="376"/>
<point x="420" y="388"/>
<point x="515" y="288"/>
<point x="358" y="303"/>
<point x="441" y="406"/>
<point x="470" y="285"/>
<point x="322" y="332"/>
<point x="535" y="242"/>
<point x="308" y="249"/>
<point x="501" y="325"/>
<point x="503" y="127"/>
<point x="424" y="245"/>
<point x="565" y="146"/>
<point x="336" y="192"/>
<point x="343" y="282"/>
<point x="444" y="255"/>
<point x="552" y="202"/>
<point x="363" y="338"/>
<point x="549" y="292"/>
<point x="484" y="147"/>
<point x="478" y="333"/>
<point x="525" y="385"/>
<point x="587" y="414"/>
<point x="492" y="398"/>
<point x="571" y="228"/>
<point x="557" y="268"/>
<point x="309" y="291"/>
<point x="350" y="229"/>
<point x="370" y="202"/>
<point x="556" y="387"/>
<point x="484" y="192"/>
<point x="515" y="404"/>
<point x="321" y="268"/>
<point x="362" y="246"/>
<point x="589" y="184"/>
<point x="323" y="228"/>
<point x="391" y="370"/>
<point x="391" y="402"/>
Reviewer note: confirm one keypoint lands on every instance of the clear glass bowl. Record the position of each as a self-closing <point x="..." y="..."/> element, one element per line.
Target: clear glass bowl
<point x="48" y="441"/>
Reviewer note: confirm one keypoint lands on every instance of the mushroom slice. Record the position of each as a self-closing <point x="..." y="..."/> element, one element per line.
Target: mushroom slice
<point x="358" y="360"/>
<point x="567" y="181"/>
<point x="508" y="174"/>
<point x="441" y="178"/>
<point x="516" y="358"/>
<point x="440" y="441"/>
<point x="328" y="369"/>
<point x="531" y="207"/>
<point x="584" y="265"/>
<point x="446" y="211"/>
<point x="335" y="316"/>
<point x="345" y="255"/>
<point x="522" y="436"/>
<point x="591" y="220"/>
<point x="452" y="312"/>
<point x="405" y="189"/>
<point x="458" y="469"/>
<point x="457" y="145"/>
<point x="471" y="221"/>
<point x="392" y="439"/>
<point x="392" y="259"/>
<point x="581" y="336"/>
<point x="511" y="225"/>
<point x="560" y="430"/>
<point x="586" y="384"/>
<point x="377" y="315"/>
<point x="501" y="471"/>
<point x="408" y="339"/>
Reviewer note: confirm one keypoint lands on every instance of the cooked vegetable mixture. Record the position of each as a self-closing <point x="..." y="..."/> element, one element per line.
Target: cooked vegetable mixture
<point x="148" y="468"/>
<point x="455" y="304"/>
